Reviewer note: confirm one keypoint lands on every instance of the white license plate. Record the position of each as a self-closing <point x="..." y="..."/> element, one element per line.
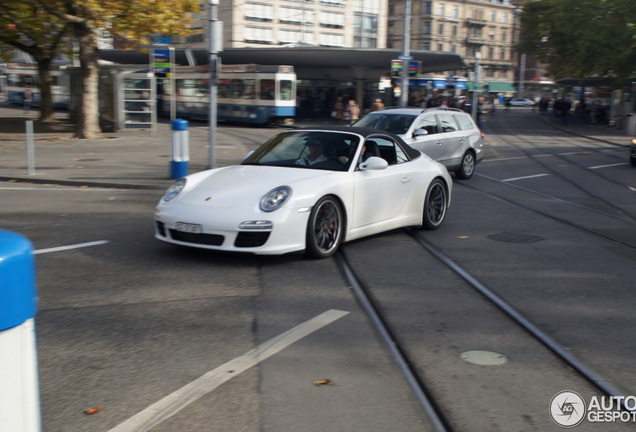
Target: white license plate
<point x="188" y="227"/>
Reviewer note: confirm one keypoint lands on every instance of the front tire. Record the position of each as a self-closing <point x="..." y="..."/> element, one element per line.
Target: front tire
<point x="325" y="228"/>
<point x="435" y="205"/>
<point x="467" y="167"/>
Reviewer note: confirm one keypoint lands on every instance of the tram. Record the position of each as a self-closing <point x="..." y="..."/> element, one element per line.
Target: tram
<point x="19" y="77"/>
<point x="250" y="93"/>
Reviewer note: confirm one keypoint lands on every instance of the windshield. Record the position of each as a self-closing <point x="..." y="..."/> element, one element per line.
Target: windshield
<point x="395" y="123"/>
<point x="308" y="150"/>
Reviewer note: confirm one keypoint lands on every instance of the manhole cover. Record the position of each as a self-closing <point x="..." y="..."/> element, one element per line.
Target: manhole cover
<point x="507" y="237"/>
<point x="484" y="358"/>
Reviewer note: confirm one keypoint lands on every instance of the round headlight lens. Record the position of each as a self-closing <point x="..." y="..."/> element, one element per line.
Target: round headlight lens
<point x="274" y="199"/>
<point x="174" y="190"/>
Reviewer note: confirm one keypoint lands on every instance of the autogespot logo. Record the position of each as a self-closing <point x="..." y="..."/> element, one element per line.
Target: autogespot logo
<point x="567" y="409"/>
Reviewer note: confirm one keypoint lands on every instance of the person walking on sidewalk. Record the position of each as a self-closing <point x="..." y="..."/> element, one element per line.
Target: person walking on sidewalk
<point x="26" y="100"/>
<point x="352" y="111"/>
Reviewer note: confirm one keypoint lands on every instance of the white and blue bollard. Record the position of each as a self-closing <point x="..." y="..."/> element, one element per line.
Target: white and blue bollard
<point x="19" y="383"/>
<point x="180" y="149"/>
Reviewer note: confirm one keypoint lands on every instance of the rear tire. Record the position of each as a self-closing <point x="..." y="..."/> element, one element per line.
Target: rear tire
<point x="467" y="167"/>
<point x="324" y="228"/>
<point x="435" y="205"/>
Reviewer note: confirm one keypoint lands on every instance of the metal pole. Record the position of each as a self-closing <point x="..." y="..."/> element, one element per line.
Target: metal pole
<point x="30" y="148"/>
<point x="475" y="85"/>
<point x="213" y="44"/>
<point x="404" y="94"/>
<point x="522" y="74"/>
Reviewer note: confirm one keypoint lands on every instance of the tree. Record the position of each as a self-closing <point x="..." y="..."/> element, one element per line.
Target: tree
<point x="134" y="20"/>
<point x="581" y="38"/>
<point x="29" y="28"/>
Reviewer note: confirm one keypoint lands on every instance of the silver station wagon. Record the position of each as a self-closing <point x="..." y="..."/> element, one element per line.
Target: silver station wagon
<point x="447" y="135"/>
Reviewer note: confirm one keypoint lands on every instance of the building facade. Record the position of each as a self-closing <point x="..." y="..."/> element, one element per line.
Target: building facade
<point x="482" y="32"/>
<point x="326" y="23"/>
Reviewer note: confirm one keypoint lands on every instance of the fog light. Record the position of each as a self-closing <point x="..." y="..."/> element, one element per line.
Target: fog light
<point x="256" y="225"/>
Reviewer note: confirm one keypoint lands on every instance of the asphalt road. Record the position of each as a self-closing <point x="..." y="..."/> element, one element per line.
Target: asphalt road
<point x="547" y="223"/>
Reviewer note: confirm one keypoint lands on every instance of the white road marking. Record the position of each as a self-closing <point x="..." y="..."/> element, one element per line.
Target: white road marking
<point x="175" y="402"/>
<point x="607" y="166"/>
<point x="523" y="178"/>
<point x="76" y="246"/>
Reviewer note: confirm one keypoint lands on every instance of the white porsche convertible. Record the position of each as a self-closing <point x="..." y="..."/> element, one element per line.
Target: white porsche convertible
<point x="307" y="190"/>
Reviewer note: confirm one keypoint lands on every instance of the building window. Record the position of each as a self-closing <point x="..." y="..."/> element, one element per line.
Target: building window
<point x="440" y="29"/>
<point x="426" y="46"/>
<point x="332" y="20"/>
<point x="504" y="18"/>
<point x="503" y="54"/>
<point x="259" y="34"/>
<point x="336" y="3"/>
<point x="504" y="35"/>
<point x="427" y="28"/>
<point x="440" y="47"/>
<point x="454" y="30"/>
<point x="491" y="53"/>
<point x="493" y="16"/>
<point x="259" y="12"/>
<point x="428" y="7"/>
<point x="455" y="12"/>
<point x="331" y="39"/>
<point x="296" y="16"/>
<point x="441" y="10"/>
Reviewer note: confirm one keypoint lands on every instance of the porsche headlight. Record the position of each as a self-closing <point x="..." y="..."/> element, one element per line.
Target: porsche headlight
<point x="174" y="190"/>
<point x="274" y="199"/>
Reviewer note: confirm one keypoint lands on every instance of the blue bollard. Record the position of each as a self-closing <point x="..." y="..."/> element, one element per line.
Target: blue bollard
<point x="19" y="391"/>
<point x="180" y="149"/>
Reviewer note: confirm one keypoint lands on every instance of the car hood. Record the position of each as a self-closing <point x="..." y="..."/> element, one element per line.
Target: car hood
<point x="238" y="185"/>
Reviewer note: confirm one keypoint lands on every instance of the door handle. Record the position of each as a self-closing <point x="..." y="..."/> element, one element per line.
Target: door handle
<point x="406" y="179"/>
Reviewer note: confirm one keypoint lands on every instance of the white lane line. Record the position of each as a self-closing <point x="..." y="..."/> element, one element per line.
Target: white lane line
<point x="523" y="178"/>
<point x="76" y="246"/>
<point x="175" y="402"/>
<point x="607" y="166"/>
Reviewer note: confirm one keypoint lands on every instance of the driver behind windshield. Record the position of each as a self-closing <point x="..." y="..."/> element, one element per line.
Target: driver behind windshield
<point x="316" y="153"/>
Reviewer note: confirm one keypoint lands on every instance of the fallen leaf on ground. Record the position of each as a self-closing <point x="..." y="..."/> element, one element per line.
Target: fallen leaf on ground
<point x="92" y="411"/>
<point x="325" y="381"/>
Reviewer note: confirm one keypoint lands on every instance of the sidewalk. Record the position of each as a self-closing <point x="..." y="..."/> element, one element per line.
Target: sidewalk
<point x="137" y="159"/>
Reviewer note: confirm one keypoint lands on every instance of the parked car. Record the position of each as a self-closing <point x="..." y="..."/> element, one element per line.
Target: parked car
<point x="521" y="102"/>
<point x="447" y="135"/>
<point x="307" y="190"/>
<point x="632" y="152"/>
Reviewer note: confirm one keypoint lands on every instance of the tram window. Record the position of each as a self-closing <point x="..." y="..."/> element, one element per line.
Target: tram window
<point x="224" y="88"/>
<point x="249" y="90"/>
<point x="268" y="87"/>
<point x="236" y="88"/>
<point x="285" y="90"/>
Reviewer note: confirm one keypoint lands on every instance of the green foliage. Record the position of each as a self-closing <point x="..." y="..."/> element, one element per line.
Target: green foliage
<point x="582" y="38"/>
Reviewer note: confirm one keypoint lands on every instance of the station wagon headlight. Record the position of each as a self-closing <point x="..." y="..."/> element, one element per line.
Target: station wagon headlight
<point x="174" y="190"/>
<point x="274" y="199"/>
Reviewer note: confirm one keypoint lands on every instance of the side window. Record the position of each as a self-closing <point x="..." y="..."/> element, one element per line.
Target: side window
<point x="429" y="123"/>
<point x="447" y="122"/>
<point x="464" y="122"/>
<point x="390" y="151"/>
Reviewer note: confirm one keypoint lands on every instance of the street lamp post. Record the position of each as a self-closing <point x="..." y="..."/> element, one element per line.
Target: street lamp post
<point x="214" y="46"/>
<point x="404" y="94"/>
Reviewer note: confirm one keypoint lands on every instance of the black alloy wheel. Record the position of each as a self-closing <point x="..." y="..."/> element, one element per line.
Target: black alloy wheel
<point x="435" y="205"/>
<point x="324" y="229"/>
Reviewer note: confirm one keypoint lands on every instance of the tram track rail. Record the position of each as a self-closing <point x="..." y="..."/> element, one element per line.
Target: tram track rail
<point x="424" y="396"/>
<point x="560" y="156"/>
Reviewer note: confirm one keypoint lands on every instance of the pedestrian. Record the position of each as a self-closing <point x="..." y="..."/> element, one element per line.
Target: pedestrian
<point x="377" y="105"/>
<point x="352" y="113"/>
<point x="26" y="100"/>
<point x="338" y="110"/>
